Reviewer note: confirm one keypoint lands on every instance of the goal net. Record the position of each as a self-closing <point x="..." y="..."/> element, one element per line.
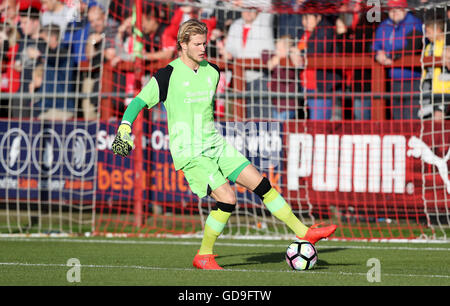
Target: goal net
<point x="342" y="105"/>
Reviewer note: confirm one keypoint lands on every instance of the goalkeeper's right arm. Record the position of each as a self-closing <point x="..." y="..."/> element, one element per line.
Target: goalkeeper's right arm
<point x="149" y="96"/>
<point x="123" y="143"/>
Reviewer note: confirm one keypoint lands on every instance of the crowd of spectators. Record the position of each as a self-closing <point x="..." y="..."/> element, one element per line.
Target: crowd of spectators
<point x="52" y="50"/>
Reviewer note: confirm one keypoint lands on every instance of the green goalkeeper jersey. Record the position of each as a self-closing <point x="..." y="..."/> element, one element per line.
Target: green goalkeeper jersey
<point x="188" y="97"/>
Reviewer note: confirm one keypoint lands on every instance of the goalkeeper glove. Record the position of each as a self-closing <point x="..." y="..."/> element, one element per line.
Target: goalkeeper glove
<point x="123" y="143"/>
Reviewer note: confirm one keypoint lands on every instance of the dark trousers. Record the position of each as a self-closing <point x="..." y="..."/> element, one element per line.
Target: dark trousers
<point x="257" y="107"/>
<point x="406" y="107"/>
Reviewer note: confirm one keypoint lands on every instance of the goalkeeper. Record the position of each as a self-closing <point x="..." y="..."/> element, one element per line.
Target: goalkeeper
<point x="187" y="87"/>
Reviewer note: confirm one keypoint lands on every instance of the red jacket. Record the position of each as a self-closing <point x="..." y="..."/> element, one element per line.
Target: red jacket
<point x="10" y="79"/>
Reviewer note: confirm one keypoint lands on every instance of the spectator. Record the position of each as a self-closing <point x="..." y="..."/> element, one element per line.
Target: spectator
<point x="74" y="40"/>
<point x="291" y="23"/>
<point x="432" y="81"/>
<point x="354" y="37"/>
<point x="183" y="13"/>
<point x="57" y="13"/>
<point x="282" y="80"/>
<point x="153" y="30"/>
<point x="8" y="12"/>
<point x="225" y="14"/>
<point x="58" y="78"/>
<point x="127" y="47"/>
<point x="247" y="37"/>
<point x="10" y="33"/>
<point x="29" y="55"/>
<point x="216" y="46"/>
<point x="124" y="41"/>
<point x="77" y="32"/>
<point x="102" y="32"/>
<point x="399" y="35"/>
<point x="318" y="40"/>
<point x="10" y="78"/>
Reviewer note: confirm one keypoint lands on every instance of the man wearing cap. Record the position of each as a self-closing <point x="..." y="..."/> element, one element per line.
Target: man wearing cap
<point x="397" y="36"/>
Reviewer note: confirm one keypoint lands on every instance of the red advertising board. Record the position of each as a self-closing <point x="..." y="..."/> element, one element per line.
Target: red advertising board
<point x="398" y="165"/>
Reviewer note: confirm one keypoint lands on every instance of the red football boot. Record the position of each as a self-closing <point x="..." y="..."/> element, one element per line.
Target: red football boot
<point x="315" y="233"/>
<point x="206" y="262"/>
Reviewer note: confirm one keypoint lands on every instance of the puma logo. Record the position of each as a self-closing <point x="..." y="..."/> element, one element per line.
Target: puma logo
<point x="419" y="149"/>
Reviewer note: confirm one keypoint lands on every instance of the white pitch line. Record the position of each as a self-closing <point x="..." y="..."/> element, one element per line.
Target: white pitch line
<point x="231" y="244"/>
<point x="225" y="270"/>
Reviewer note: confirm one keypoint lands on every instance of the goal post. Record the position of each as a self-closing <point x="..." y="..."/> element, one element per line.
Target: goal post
<point x="346" y="133"/>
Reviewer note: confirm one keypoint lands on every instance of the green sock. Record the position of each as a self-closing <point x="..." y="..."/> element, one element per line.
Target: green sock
<point x="215" y="223"/>
<point x="280" y="208"/>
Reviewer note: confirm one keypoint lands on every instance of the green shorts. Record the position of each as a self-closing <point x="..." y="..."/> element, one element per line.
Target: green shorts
<point x="205" y="173"/>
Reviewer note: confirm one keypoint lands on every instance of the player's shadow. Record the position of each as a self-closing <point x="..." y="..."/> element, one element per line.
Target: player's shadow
<point x="329" y="250"/>
<point x="277" y="257"/>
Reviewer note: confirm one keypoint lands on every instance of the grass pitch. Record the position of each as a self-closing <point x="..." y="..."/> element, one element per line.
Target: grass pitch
<point x="168" y="262"/>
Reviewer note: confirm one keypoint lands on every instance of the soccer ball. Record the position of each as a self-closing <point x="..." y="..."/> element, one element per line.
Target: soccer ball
<point x="301" y="255"/>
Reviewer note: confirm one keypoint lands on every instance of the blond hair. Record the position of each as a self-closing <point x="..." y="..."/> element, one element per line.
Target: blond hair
<point x="189" y="28"/>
